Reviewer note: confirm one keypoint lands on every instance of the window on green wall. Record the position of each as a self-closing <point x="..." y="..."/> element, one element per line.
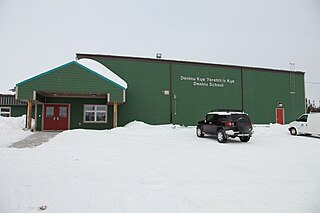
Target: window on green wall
<point x="95" y="114"/>
<point x="5" y="111"/>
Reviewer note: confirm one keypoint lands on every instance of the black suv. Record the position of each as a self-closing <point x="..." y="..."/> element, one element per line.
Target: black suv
<point x="225" y="124"/>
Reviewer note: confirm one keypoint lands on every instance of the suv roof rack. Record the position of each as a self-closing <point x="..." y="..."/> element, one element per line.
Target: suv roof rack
<point x="227" y="110"/>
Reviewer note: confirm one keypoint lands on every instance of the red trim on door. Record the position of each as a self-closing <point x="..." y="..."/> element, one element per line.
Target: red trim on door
<point x="56" y="117"/>
<point x="280" y="116"/>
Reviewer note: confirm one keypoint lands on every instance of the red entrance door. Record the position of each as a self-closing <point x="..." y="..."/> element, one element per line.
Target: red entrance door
<point x="56" y="117"/>
<point x="280" y="115"/>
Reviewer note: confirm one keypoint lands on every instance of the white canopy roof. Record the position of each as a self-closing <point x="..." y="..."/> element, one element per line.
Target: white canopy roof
<point x="103" y="71"/>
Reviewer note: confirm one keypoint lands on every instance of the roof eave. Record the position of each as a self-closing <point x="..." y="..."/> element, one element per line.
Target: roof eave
<point x="84" y="55"/>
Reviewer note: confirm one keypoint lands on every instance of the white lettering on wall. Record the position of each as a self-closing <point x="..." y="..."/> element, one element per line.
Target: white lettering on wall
<point x="208" y="82"/>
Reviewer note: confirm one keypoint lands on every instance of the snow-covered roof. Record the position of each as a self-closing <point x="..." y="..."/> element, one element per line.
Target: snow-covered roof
<point x="9" y="92"/>
<point x="225" y="113"/>
<point x="102" y="70"/>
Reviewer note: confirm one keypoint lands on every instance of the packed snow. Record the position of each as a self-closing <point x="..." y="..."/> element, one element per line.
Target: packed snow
<point x="102" y="70"/>
<point x="11" y="130"/>
<point x="144" y="168"/>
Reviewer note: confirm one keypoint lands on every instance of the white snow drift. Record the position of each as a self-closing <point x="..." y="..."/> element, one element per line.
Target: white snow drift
<point x="11" y="130"/>
<point x="144" y="168"/>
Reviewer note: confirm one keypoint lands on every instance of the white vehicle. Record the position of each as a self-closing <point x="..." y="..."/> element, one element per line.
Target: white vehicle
<point x="307" y="124"/>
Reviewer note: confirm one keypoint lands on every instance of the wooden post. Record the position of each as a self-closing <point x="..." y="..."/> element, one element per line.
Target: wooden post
<point x="29" y="115"/>
<point x="35" y="116"/>
<point x="115" y="115"/>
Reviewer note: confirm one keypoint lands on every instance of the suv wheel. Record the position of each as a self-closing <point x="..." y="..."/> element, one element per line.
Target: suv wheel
<point x="293" y="131"/>
<point x="244" y="138"/>
<point x="199" y="131"/>
<point x="221" y="136"/>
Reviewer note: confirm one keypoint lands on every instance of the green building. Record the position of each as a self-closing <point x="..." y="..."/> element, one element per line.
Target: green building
<point x="157" y="91"/>
<point x="9" y="106"/>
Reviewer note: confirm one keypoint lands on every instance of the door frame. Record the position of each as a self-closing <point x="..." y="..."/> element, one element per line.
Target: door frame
<point x="43" y="115"/>
<point x="283" y="115"/>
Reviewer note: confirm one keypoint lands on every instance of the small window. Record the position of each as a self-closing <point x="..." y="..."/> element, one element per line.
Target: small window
<point x="89" y="116"/>
<point x="5" y="111"/>
<point x="62" y="112"/>
<point x="49" y="112"/>
<point x="95" y="113"/>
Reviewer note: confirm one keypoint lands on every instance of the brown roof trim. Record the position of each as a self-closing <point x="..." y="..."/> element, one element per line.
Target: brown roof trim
<point x="130" y="58"/>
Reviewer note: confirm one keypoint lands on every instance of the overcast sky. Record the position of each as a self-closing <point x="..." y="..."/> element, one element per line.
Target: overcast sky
<point x="38" y="35"/>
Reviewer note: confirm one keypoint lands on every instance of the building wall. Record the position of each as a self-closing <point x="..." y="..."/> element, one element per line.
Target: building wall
<point x="19" y="110"/>
<point x="76" y="113"/>
<point x="144" y="98"/>
<point x="257" y="91"/>
<point x="264" y="89"/>
<point x="200" y="89"/>
<point x="17" y="107"/>
<point x="161" y="92"/>
<point x="16" y="111"/>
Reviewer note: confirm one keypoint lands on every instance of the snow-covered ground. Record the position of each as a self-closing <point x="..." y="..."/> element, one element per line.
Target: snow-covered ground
<point x="143" y="168"/>
<point x="11" y="130"/>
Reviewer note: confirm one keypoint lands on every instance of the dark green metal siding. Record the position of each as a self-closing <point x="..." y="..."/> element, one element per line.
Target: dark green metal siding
<point x="200" y="89"/>
<point x="71" y="78"/>
<point x="257" y="91"/>
<point x="264" y="89"/>
<point x="17" y="111"/>
<point x="144" y="98"/>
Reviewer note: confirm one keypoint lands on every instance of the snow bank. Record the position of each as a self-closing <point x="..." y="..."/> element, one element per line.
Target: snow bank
<point x="144" y="168"/>
<point x="138" y="124"/>
<point x="11" y="130"/>
<point x="141" y="125"/>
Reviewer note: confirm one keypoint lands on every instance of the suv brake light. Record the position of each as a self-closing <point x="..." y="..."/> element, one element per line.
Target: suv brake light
<point x="228" y="123"/>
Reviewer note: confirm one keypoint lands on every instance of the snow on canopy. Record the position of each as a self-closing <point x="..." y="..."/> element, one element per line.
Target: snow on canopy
<point x="102" y="70"/>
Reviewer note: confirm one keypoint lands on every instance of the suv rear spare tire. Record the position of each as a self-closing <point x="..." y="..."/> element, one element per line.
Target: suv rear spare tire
<point x="244" y="125"/>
